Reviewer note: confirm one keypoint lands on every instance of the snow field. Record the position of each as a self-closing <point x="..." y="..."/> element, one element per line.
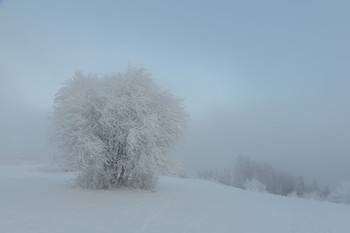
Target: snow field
<point x="33" y="201"/>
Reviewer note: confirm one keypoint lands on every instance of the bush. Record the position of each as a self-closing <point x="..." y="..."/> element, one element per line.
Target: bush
<point x="116" y="130"/>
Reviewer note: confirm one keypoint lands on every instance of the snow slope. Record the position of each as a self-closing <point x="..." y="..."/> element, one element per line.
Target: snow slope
<point x="34" y="201"/>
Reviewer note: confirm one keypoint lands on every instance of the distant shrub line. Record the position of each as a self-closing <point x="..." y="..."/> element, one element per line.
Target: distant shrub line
<point x="261" y="177"/>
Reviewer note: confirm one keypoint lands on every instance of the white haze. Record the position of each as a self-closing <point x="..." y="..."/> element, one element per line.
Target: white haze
<point x="264" y="79"/>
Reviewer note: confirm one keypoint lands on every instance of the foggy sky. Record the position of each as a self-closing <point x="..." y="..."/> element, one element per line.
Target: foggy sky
<point x="268" y="79"/>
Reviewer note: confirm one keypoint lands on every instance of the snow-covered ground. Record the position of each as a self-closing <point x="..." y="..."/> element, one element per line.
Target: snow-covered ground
<point x="35" y="201"/>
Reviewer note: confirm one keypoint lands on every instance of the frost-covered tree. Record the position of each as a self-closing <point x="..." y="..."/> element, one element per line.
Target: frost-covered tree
<point x="341" y="194"/>
<point x="243" y="170"/>
<point x="274" y="182"/>
<point x="325" y="192"/>
<point x="254" y="185"/>
<point x="116" y="130"/>
<point x="300" y="187"/>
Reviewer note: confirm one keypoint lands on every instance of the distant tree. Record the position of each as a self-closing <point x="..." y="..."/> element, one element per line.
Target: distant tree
<point x="261" y="177"/>
<point x="341" y="194"/>
<point x="265" y="174"/>
<point x="116" y="130"/>
<point x="288" y="184"/>
<point x="254" y="185"/>
<point x="315" y="187"/>
<point x="300" y="187"/>
<point x="226" y="177"/>
<point x="325" y="192"/>
<point x="243" y="170"/>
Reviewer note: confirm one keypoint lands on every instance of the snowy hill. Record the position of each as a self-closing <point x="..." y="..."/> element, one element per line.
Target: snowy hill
<point x="34" y="201"/>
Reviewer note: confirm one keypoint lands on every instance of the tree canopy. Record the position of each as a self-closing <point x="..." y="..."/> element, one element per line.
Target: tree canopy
<point x="116" y="130"/>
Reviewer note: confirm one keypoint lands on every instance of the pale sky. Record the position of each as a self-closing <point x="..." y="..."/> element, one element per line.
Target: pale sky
<point x="268" y="79"/>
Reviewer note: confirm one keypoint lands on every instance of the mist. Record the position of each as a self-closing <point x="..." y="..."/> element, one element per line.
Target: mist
<point x="268" y="80"/>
